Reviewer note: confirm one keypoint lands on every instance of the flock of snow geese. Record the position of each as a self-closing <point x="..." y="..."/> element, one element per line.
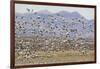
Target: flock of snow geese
<point x="41" y="27"/>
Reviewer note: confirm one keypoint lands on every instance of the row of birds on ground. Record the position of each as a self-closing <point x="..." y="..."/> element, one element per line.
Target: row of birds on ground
<point x="29" y="48"/>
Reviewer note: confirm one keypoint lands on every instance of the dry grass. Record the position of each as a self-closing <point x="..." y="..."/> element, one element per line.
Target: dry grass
<point x="55" y="57"/>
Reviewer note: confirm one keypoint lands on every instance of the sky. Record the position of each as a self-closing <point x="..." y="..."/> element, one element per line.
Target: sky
<point x="88" y="13"/>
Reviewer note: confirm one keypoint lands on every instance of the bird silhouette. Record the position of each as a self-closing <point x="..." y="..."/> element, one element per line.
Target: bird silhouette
<point x="28" y="9"/>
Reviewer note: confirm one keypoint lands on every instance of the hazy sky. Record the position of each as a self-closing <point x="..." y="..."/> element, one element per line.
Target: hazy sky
<point x="88" y="13"/>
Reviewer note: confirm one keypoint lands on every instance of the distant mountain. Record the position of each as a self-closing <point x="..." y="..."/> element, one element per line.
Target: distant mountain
<point x="69" y="14"/>
<point x="76" y="14"/>
<point x="44" y="12"/>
